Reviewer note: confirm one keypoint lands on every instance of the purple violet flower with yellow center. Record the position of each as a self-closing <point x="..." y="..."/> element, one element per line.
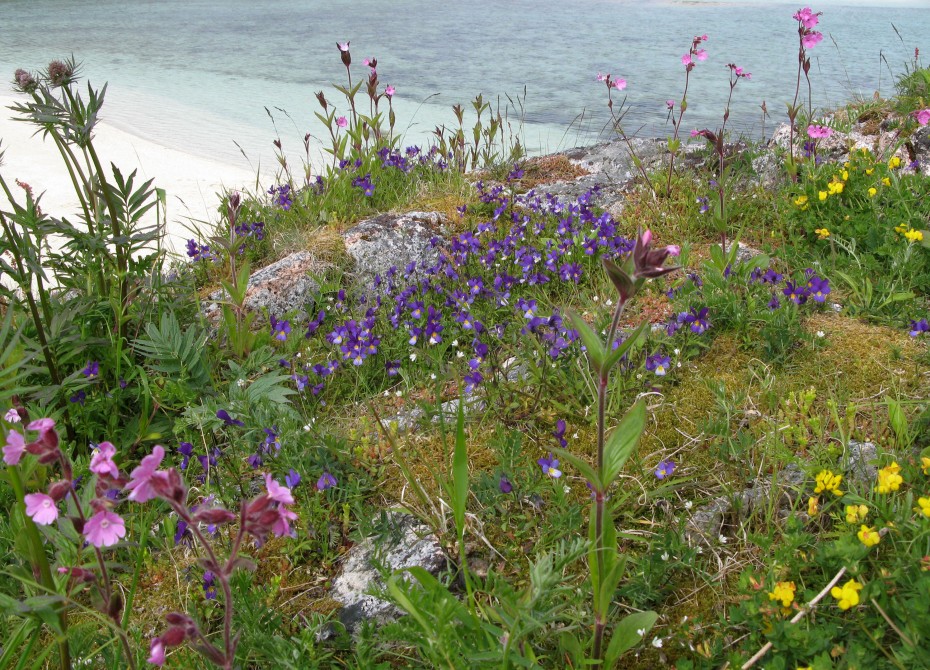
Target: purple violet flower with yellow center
<point x="92" y="370"/>
<point x="280" y="329"/>
<point x="659" y="364"/>
<point x="665" y="469"/>
<point x="550" y="466"/>
<point x="919" y="328"/>
<point x="326" y="481"/>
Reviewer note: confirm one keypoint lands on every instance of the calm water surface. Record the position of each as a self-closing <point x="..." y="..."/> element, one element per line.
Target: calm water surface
<point x="199" y="74"/>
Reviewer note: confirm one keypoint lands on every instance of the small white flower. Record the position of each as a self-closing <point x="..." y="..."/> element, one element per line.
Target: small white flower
<point x="460" y="354"/>
<point x="398" y="393"/>
<point x="413" y="357"/>
<point x="820" y="333"/>
<point x="641" y="631"/>
<point x="567" y="489"/>
<point x="308" y="427"/>
<point x="596" y="298"/>
<point x="609" y="302"/>
<point x="664" y="556"/>
<point x="386" y="394"/>
<point x="689" y="504"/>
<point x="433" y="376"/>
<point x="657" y="642"/>
<point x="639" y="376"/>
<point x="455" y="343"/>
<point x="722" y="538"/>
<point x="677" y="352"/>
<point x="240" y="383"/>
<point x="298" y="354"/>
<point x="575" y="436"/>
<point x="699" y="550"/>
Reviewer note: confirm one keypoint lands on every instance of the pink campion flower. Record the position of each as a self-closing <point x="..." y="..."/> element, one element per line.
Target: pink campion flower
<point x="695" y="132"/>
<point x="48" y="437"/>
<point x="282" y="526"/>
<point x="104" y="529"/>
<point x="686" y="60"/>
<point x="343" y="46"/>
<point x="673" y="250"/>
<point x="619" y="84"/>
<point x="156" y="652"/>
<point x="923" y="116"/>
<point x="389" y="91"/>
<point x="602" y="77"/>
<point x="101" y="462"/>
<point x="808" y="18"/>
<point x="14" y="448"/>
<point x="42" y="425"/>
<point x="278" y="493"/>
<point x="818" y="132"/>
<point x="342" y="122"/>
<point x="700" y="54"/>
<point x="12" y="416"/>
<point x="41" y="508"/>
<point x="812" y="39"/>
<point x="670" y="104"/>
<point x="140" y="482"/>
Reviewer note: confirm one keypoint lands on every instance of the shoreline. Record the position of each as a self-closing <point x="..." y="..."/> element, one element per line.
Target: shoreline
<point x="192" y="182"/>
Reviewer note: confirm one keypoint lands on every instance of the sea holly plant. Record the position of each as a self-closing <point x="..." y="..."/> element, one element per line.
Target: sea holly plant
<point x="605" y="562"/>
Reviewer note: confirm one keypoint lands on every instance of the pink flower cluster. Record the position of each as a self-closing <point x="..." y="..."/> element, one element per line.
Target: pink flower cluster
<point x="818" y="132"/>
<point x="922" y="116"/>
<point x="738" y="72"/>
<point x="608" y="79"/>
<point x="807" y="21"/>
<point x="695" y="54"/>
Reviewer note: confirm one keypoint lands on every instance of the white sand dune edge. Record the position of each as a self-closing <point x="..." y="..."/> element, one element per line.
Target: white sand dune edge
<point x="193" y="183"/>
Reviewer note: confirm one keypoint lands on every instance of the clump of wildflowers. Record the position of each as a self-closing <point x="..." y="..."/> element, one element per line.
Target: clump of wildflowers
<point x="828" y="482"/>
<point x="783" y="593"/>
<point x="847" y="596"/>
<point x="889" y="478"/>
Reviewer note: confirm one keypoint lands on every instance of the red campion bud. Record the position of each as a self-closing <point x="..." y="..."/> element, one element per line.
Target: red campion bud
<point x="214" y="516"/>
<point x="58" y="490"/>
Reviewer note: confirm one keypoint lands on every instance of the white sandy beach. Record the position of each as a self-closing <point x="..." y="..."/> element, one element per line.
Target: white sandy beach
<point x="193" y="183"/>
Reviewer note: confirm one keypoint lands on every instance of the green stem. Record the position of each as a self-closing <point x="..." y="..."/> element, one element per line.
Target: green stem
<point x="40" y="564"/>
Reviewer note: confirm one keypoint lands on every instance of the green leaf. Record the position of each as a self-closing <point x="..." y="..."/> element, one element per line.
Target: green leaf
<point x="621" y="280"/>
<point x="626" y="635"/>
<point x="590" y="340"/>
<point x="586" y="470"/>
<point x="623" y="440"/>
<point x="460" y="473"/>
<point x="615" y="355"/>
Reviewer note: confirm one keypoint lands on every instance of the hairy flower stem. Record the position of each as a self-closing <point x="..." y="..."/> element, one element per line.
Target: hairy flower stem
<point x="600" y="497"/>
<point x="41" y="568"/>
<point x="682" y="107"/>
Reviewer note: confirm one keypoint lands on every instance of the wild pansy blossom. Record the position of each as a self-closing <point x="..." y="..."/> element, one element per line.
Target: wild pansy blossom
<point x="658" y="364"/>
<point x="559" y="433"/>
<point x="280" y="329"/>
<point x="292" y="478"/>
<point x="227" y="419"/>
<point x="550" y="466"/>
<point x="504" y="484"/>
<point x="696" y="319"/>
<point x="281" y="196"/>
<point x="919" y="328"/>
<point x="92" y="370"/>
<point x="665" y="469"/>
<point x="326" y="481"/>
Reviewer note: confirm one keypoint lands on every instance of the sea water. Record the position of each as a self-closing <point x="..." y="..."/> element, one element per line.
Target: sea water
<point x="207" y="76"/>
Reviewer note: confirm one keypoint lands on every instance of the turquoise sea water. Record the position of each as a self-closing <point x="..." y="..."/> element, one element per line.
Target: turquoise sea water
<point x="198" y="74"/>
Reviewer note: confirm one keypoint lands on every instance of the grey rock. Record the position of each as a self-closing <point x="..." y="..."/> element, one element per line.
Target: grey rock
<point x="744" y="253"/>
<point x="705" y="524"/>
<point x="768" y="169"/>
<point x="406" y="421"/>
<point x="860" y="463"/>
<point x="282" y="287"/>
<point x="388" y="240"/>
<point x="408" y="544"/>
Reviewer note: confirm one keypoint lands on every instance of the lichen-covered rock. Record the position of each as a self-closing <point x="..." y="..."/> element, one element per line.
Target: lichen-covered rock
<point x="407" y="544"/>
<point x="860" y="466"/>
<point x="705" y="524"/>
<point x="744" y="252"/>
<point x="282" y="287"/>
<point x="396" y="240"/>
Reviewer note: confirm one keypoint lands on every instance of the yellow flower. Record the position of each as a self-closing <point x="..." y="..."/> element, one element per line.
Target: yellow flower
<point x="827" y="481"/>
<point x="924" y="506"/>
<point x="870" y="171"/>
<point x="847" y="595"/>
<point x="901" y="228"/>
<point x="856" y="513"/>
<point x="823" y="233"/>
<point x="872" y="192"/>
<point x="894" y="163"/>
<point x="806" y="667"/>
<point x="914" y="236"/>
<point x="813" y="506"/>
<point x="889" y="479"/>
<point x="822" y="195"/>
<point x="783" y="592"/>
<point x="925" y="464"/>
<point x="886" y="181"/>
<point x="868" y="536"/>
<point x="845" y="175"/>
<point x="801" y="201"/>
<point x="835" y="187"/>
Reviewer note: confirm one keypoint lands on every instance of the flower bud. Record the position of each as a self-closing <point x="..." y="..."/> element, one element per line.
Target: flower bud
<point x="60" y="73"/>
<point x="58" y="490"/>
<point x="322" y="100"/>
<point x="173" y="636"/>
<point x="24" y="81"/>
<point x="214" y="516"/>
<point x="344" y="53"/>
